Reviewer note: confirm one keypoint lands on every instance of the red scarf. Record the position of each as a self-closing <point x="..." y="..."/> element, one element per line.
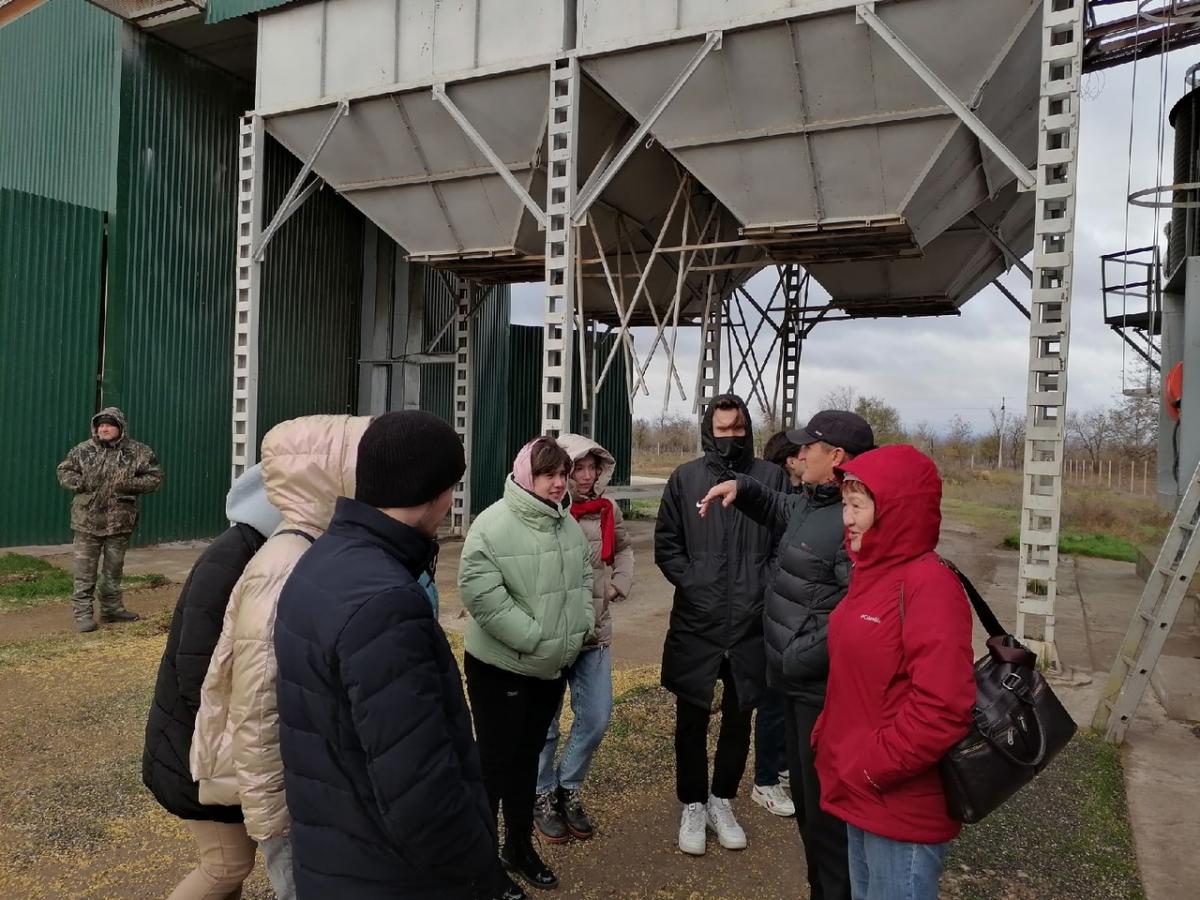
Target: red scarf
<point x="608" y="524"/>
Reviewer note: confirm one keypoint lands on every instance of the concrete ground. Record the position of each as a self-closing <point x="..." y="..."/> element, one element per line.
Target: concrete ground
<point x="1096" y="602"/>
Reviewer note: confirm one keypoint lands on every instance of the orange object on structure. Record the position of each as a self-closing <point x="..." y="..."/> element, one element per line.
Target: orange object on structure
<point x="1173" y="391"/>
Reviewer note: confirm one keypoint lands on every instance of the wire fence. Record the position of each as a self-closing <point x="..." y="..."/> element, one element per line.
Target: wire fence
<point x="1131" y="477"/>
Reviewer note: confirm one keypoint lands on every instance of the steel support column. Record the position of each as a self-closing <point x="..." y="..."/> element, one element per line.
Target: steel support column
<point x="561" y="247"/>
<point x="1050" y="324"/>
<point x="795" y="289"/>
<point x="463" y="410"/>
<point x="246" y="295"/>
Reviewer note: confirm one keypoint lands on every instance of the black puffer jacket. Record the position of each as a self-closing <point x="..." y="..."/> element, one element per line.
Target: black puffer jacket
<point x="719" y="566"/>
<point x="195" y="628"/>
<point x="380" y="767"/>
<point x="809" y="578"/>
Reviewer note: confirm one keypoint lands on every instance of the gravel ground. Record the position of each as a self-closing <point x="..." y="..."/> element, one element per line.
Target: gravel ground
<point x="75" y="821"/>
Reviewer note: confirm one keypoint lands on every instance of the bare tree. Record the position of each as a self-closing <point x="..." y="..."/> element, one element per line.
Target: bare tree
<point x="1091" y="431"/>
<point x="960" y="438"/>
<point x="840" y="398"/>
<point x="925" y="438"/>
<point x="1014" y="439"/>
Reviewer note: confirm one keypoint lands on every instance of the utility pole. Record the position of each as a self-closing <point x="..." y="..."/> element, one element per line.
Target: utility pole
<point x="1000" y="451"/>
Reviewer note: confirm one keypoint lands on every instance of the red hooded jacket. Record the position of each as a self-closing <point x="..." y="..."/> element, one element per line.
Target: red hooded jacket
<point x="901" y="684"/>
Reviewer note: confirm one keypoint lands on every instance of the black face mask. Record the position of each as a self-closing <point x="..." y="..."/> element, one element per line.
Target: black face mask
<point x="730" y="448"/>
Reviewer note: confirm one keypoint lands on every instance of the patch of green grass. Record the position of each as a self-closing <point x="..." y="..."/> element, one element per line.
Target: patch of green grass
<point x="28" y="581"/>
<point x="1081" y="543"/>
<point x="643" y="509"/>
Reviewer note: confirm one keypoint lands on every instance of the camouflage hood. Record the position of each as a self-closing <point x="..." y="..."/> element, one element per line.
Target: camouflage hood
<point x="111" y="412"/>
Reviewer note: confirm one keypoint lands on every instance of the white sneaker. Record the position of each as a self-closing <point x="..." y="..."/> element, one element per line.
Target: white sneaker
<point x="692" y="836"/>
<point x="721" y="821"/>
<point x="785" y="782"/>
<point x="774" y="800"/>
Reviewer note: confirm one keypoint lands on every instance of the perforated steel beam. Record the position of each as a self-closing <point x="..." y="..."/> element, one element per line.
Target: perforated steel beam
<point x="561" y="246"/>
<point x="248" y="274"/>
<point x="464" y="401"/>
<point x="1050" y="324"/>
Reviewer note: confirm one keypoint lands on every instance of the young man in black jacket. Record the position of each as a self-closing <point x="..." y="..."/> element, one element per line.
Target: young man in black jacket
<point x="382" y="774"/>
<point x="719" y="566"/>
<point x="810" y="578"/>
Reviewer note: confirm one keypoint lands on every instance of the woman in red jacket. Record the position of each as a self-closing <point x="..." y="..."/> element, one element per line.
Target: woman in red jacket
<point x="901" y="685"/>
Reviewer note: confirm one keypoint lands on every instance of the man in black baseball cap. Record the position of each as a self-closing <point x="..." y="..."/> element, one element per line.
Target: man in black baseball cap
<point x="810" y="579"/>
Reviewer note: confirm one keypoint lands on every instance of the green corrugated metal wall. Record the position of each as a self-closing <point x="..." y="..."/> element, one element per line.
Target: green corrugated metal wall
<point x="50" y="271"/>
<point x="220" y="10"/>
<point x="614" y="426"/>
<point x="524" y="386"/>
<point x="169" y="325"/>
<point x="311" y="288"/>
<point x="59" y="79"/>
<point x="490" y="459"/>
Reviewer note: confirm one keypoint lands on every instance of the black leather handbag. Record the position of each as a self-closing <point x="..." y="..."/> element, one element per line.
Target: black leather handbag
<point x="1019" y="725"/>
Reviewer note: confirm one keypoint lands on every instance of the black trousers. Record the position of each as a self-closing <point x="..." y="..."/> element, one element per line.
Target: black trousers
<point x="691" y="746"/>
<point x="512" y="714"/>
<point x="823" y="835"/>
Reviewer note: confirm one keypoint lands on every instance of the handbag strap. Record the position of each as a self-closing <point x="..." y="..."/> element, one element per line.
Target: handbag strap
<point x="987" y="618"/>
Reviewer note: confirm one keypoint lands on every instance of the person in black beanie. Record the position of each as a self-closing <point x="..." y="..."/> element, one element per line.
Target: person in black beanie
<point x="381" y="770"/>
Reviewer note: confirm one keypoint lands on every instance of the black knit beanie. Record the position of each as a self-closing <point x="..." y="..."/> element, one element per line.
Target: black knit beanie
<point x="407" y="458"/>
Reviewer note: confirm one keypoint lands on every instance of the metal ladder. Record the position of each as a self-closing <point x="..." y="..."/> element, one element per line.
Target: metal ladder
<point x="1151" y="625"/>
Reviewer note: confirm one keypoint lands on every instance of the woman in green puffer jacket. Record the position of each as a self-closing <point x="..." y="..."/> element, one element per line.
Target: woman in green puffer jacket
<point x="526" y="580"/>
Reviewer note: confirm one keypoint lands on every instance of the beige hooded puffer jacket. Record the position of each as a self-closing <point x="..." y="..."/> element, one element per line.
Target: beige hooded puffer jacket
<point x="620" y="573"/>
<point x="306" y="464"/>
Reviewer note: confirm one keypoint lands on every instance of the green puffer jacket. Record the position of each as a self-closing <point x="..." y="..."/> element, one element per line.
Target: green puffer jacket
<point x="526" y="580"/>
<point x="107" y="478"/>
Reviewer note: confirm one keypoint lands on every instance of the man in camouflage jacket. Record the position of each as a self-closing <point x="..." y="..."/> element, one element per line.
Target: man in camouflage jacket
<point x="106" y="474"/>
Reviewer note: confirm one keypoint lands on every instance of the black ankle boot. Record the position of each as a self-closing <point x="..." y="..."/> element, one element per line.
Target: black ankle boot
<point x="509" y="889"/>
<point x="574" y="815"/>
<point x="520" y="856"/>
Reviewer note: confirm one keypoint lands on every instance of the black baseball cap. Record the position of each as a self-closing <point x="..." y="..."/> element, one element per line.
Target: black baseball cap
<point x="838" y="428"/>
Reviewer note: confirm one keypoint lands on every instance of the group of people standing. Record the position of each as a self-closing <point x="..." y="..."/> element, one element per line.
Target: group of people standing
<point x="308" y="703"/>
<point x="813" y="590"/>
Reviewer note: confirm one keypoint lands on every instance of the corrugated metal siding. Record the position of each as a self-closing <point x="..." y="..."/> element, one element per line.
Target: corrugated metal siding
<point x="614" y="426"/>
<point x="220" y="10"/>
<point x="170" y="298"/>
<point x="59" y="70"/>
<point x="491" y="461"/>
<point x="50" y="289"/>
<point x="311" y="290"/>
<point x="524" y="386"/>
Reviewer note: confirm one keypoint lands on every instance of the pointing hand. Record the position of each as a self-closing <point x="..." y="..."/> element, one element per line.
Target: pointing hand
<point x="726" y="491"/>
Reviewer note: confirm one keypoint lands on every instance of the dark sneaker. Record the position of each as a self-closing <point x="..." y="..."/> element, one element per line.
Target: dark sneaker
<point x="571" y="804"/>
<point x="118" y="615"/>
<point x="548" y="820"/>
<point x="84" y="624"/>
<point x="518" y="855"/>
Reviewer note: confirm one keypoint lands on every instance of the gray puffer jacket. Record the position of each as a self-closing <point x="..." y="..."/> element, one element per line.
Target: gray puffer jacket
<point x="620" y="573"/>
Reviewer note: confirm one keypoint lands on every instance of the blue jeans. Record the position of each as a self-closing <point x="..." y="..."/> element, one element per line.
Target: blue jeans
<point x="770" y="744"/>
<point x="590" y="680"/>
<point x="883" y="869"/>
<point x="277" y="854"/>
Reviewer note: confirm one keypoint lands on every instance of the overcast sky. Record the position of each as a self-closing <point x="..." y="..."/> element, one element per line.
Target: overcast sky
<point x="932" y="369"/>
